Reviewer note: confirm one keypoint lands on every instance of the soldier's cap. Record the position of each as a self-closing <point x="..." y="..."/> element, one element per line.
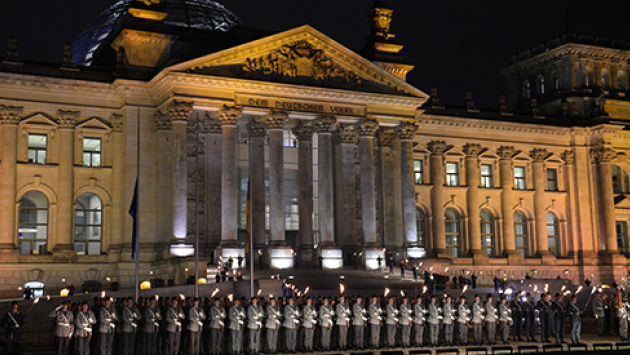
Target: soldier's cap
<point x="557" y="294"/>
<point x="489" y="296"/>
<point x="196" y="299"/>
<point x="14" y="303"/>
<point x="462" y="297"/>
<point x="502" y="298"/>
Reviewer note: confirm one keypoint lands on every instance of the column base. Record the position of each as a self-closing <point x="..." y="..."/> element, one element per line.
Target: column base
<point x="547" y="258"/>
<point x="514" y="259"/>
<point x="480" y="258"/>
<point x="308" y="255"/>
<point x="64" y="253"/>
<point x="225" y="253"/>
<point x="614" y="259"/>
<point x="441" y="254"/>
<point x="281" y="257"/>
<point x="332" y="257"/>
<point x="415" y="252"/>
<point x="370" y="258"/>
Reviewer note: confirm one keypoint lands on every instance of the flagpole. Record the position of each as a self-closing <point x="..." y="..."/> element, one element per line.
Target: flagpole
<point x="197" y="214"/>
<point x="251" y="237"/>
<point x="136" y="242"/>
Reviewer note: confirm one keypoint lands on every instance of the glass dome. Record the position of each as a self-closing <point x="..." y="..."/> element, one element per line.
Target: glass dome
<point x="201" y="14"/>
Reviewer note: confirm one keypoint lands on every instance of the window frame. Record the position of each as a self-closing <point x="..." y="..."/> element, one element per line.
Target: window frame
<point x="525" y="236"/>
<point x="488" y="249"/>
<point x="86" y="242"/>
<point x="36" y="224"/>
<point x="421" y="226"/>
<point x="553" y="180"/>
<point x="555" y="251"/>
<point x="452" y="179"/>
<point x="418" y="171"/>
<point x="37" y="150"/>
<point x="622" y="238"/>
<point x="91" y="154"/>
<point x="487" y="177"/>
<point x="517" y="179"/>
<point x="454" y="250"/>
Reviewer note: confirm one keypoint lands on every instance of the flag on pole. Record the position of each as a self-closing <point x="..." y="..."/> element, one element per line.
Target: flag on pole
<point x="133" y="212"/>
<point x="248" y="213"/>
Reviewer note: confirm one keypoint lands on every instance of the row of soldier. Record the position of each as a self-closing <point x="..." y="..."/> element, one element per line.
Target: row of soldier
<point x="192" y="326"/>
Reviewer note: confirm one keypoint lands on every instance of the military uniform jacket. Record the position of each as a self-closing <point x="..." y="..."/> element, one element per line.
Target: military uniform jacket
<point x="325" y="316"/>
<point x="463" y="313"/>
<point x="477" y="313"/>
<point x="405" y="314"/>
<point x="129" y="319"/>
<point x="434" y="314"/>
<point x="254" y="317"/>
<point x="64" y="323"/>
<point x="491" y="312"/>
<point x="391" y="314"/>
<point x="152" y="318"/>
<point x="622" y="312"/>
<point x="516" y="308"/>
<point x="309" y="316"/>
<point x="448" y="311"/>
<point x="196" y="316"/>
<point x="573" y="311"/>
<point x="557" y="309"/>
<point x="291" y="316"/>
<point x="343" y="314"/>
<point x="273" y="317"/>
<point x="236" y="317"/>
<point x="598" y="307"/>
<point x="174" y="317"/>
<point x="13" y="321"/>
<point x="543" y="308"/>
<point x="528" y="309"/>
<point x="358" y="314"/>
<point x="374" y="312"/>
<point x="217" y="315"/>
<point x="504" y="313"/>
<point x="418" y="313"/>
<point x="107" y="320"/>
<point x="83" y="323"/>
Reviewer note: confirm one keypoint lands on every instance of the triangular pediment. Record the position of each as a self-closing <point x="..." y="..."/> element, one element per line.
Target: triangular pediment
<point x="622" y="201"/>
<point x="301" y="56"/>
<point x="521" y="156"/>
<point x="488" y="153"/>
<point x="93" y="123"/>
<point x="39" y="119"/>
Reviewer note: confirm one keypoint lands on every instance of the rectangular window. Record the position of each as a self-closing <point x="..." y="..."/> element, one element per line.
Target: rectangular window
<point x="486" y="176"/>
<point x="37" y="144"/>
<point x="519" y="178"/>
<point x="616" y="179"/>
<point x="418" y="172"/>
<point x="92" y="152"/>
<point x="452" y="174"/>
<point x="552" y="179"/>
<point x="288" y="139"/>
<point x="622" y="236"/>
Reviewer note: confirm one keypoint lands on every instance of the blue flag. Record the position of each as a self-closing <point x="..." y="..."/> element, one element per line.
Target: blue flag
<point x="133" y="212"/>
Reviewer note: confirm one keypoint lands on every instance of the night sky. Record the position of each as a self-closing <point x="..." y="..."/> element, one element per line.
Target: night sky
<point x="456" y="45"/>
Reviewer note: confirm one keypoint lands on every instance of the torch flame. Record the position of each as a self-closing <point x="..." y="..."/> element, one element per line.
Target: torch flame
<point x="181" y="295"/>
<point x="464" y="289"/>
<point x="48" y="297"/>
<point x="103" y="294"/>
<point x="579" y="289"/>
<point x="157" y="297"/>
<point x="36" y="301"/>
<point x="386" y="292"/>
<point x="564" y="287"/>
<point x="424" y="289"/>
<point x="231" y="297"/>
<point x="341" y="289"/>
<point x="446" y="269"/>
<point x="214" y="293"/>
<point x="308" y="288"/>
<point x="259" y="292"/>
<point x="402" y="293"/>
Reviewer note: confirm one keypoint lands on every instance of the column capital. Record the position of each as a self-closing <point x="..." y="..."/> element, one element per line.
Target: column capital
<point x="325" y="124"/>
<point x="276" y="119"/>
<point x="67" y="119"/>
<point x="406" y="130"/>
<point x="210" y="124"/>
<point x="347" y="135"/>
<point x="437" y="147"/>
<point x="303" y="132"/>
<point x="603" y="154"/>
<point x="116" y="121"/>
<point x="10" y="114"/>
<point x="367" y="126"/>
<point x="387" y="139"/>
<point x="506" y="152"/>
<point x="256" y="128"/>
<point x="539" y="155"/>
<point x="229" y="115"/>
<point x="472" y="150"/>
<point x="162" y="121"/>
<point x="568" y="156"/>
<point x="180" y="110"/>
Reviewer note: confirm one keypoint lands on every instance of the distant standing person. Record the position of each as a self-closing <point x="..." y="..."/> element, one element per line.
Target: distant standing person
<point x="12" y="322"/>
<point x="114" y="285"/>
<point x="474" y="280"/>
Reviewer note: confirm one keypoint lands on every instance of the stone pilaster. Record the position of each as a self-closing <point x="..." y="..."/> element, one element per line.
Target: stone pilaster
<point x="119" y="212"/>
<point x="389" y="200"/>
<point x="438" y="200"/>
<point x="473" y="179"/>
<point x="9" y="117"/>
<point x="507" y="189"/>
<point x="178" y="113"/>
<point x="228" y="116"/>
<point x="406" y="131"/>
<point x="603" y="156"/>
<point x="540" y="215"/>
<point x="345" y="140"/>
<point x="257" y="181"/>
<point x="304" y="134"/>
<point x="367" y="128"/>
<point x="325" y="126"/>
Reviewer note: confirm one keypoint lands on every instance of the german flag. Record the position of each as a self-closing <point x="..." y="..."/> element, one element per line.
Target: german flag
<point x="248" y="216"/>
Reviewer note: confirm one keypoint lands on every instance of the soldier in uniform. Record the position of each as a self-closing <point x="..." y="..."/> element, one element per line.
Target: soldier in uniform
<point x="254" y="325"/>
<point x="151" y="327"/>
<point x="528" y="311"/>
<point x="543" y="315"/>
<point x="359" y="321"/>
<point x="83" y="320"/>
<point x="217" y="325"/>
<point x="622" y="313"/>
<point x="491" y="319"/>
<point x="405" y="322"/>
<point x="517" y="318"/>
<point x="173" y="317"/>
<point x="448" y="321"/>
<point x="376" y="321"/>
<point x="463" y="319"/>
<point x="391" y="322"/>
<point x="599" y="312"/>
<point x="107" y="318"/>
<point x="64" y="327"/>
<point x="13" y="321"/>
<point x="477" y="318"/>
<point x="196" y="316"/>
<point x="291" y="324"/>
<point x="574" y="313"/>
<point x="558" y="322"/>
<point x="504" y="320"/>
<point x="343" y="322"/>
<point x="236" y="317"/>
<point x="434" y="321"/>
<point x="325" y="323"/>
<point x="129" y="324"/>
<point x="418" y="321"/>
<point x="309" y="321"/>
<point x="272" y="325"/>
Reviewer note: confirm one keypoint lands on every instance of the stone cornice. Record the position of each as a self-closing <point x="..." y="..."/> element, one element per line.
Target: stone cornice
<point x="471" y="123"/>
<point x="67" y="119"/>
<point x="10" y="114"/>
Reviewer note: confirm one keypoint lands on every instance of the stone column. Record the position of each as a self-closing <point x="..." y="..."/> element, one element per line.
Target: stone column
<point x="345" y="188"/>
<point x="275" y="121"/>
<point x="325" y="126"/>
<point x="391" y="227"/>
<point x="574" y="240"/>
<point x="304" y="134"/>
<point x="603" y="155"/>
<point x="438" y="199"/>
<point x="507" y="189"/>
<point x="257" y="181"/>
<point x="406" y="131"/>
<point x="228" y="116"/>
<point x="119" y="208"/>
<point x="367" y="128"/>
<point x="540" y="206"/>
<point x="64" y="244"/>
<point x="473" y="180"/>
<point x="179" y="113"/>
<point x="9" y="117"/>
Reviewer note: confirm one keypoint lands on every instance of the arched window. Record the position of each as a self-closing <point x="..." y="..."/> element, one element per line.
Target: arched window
<point x="520" y="233"/>
<point x="527" y="90"/>
<point x="453" y="232"/>
<point x="556" y="80"/>
<point x="605" y="78"/>
<point x="33" y="228"/>
<point x="421" y="224"/>
<point x="553" y="234"/>
<point x="541" y="84"/>
<point x="88" y="225"/>
<point x="588" y="74"/>
<point x="487" y="233"/>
